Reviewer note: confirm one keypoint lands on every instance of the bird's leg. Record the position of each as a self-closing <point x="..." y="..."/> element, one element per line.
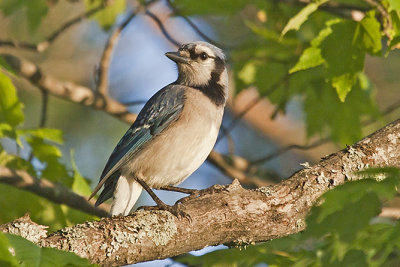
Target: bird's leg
<point x="198" y="193"/>
<point x="175" y="210"/>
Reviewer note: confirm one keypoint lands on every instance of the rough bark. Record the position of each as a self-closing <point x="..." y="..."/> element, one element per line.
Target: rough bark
<point x="233" y="215"/>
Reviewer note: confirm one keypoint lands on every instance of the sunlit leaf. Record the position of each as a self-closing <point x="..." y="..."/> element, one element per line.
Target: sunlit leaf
<point x="370" y="34"/>
<point x="310" y="58"/>
<point x="10" y="107"/>
<point x="54" y="135"/>
<point x="295" y="22"/>
<point x="343" y="84"/>
<point x="394" y="5"/>
<point x="106" y="17"/>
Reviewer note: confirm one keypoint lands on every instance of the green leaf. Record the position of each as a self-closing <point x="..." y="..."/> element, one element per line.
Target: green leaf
<point x="80" y="185"/>
<point x="35" y="10"/>
<point x="311" y="57"/>
<point x="191" y="7"/>
<point x="295" y="22"/>
<point x="6" y="259"/>
<point x="15" y="162"/>
<point x="343" y="84"/>
<point x="324" y="111"/>
<point x="269" y="75"/>
<point x="341" y="51"/>
<point x="6" y="130"/>
<point x="29" y="254"/>
<point x="42" y="150"/>
<point x="54" y="135"/>
<point x="394" y="5"/>
<point x="10" y="107"/>
<point x="106" y="17"/>
<point x="50" y="154"/>
<point x="370" y="35"/>
<point x="6" y="66"/>
<point x="248" y="73"/>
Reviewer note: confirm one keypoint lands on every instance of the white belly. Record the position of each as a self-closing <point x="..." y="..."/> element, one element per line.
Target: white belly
<point x="180" y="149"/>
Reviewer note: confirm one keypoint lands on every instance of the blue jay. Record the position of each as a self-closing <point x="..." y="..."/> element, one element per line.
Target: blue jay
<point x="173" y="133"/>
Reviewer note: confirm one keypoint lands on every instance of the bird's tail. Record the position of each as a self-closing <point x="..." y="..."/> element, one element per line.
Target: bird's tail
<point x="126" y="193"/>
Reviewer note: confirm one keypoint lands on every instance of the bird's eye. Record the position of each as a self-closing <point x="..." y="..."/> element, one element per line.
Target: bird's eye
<point x="203" y="56"/>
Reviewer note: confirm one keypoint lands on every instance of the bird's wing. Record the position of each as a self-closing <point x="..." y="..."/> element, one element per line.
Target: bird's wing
<point x="162" y="109"/>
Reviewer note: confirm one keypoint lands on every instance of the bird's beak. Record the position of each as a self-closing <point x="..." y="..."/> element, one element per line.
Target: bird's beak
<point x="176" y="57"/>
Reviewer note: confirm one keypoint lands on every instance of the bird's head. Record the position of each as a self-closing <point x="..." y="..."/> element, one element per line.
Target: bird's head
<point x="202" y="65"/>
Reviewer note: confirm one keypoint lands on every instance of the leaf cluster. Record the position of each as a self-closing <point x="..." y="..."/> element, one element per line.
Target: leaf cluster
<point x="36" y="151"/>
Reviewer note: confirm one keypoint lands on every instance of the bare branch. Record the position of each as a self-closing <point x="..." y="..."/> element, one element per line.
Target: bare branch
<point x="102" y="84"/>
<point x="42" y="46"/>
<point x="67" y="90"/>
<point x="289" y="147"/>
<point x="162" y="28"/>
<point x="237" y="117"/>
<point x="233" y="215"/>
<point x="195" y="28"/>
<point x="49" y="190"/>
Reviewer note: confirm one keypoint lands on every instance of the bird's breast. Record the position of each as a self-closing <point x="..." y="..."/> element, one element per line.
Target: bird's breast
<point x="182" y="147"/>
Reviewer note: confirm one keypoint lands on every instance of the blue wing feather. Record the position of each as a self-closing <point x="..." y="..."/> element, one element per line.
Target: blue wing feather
<point x="162" y="109"/>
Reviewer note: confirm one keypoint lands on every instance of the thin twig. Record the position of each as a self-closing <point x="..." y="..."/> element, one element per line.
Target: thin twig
<point x="387" y="20"/>
<point x="43" y="111"/>
<point x="237" y="118"/>
<point x="231" y="143"/>
<point x="162" y="28"/>
<point x="102" y="84"/>
<point x="134" y="103"/>
<point x="195" y="28"/>
<point x="42" y="46"/>
<point x="287" y="148"/>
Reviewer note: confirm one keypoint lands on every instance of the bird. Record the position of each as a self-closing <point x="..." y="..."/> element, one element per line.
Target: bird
<point x="173" y="133"/>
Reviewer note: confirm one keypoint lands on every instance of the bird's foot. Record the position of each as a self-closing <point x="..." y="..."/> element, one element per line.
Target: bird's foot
<point x="198" y="193"/>
<point x="175" y="210"/>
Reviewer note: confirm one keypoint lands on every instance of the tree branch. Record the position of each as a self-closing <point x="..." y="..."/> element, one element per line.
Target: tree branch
<point x="102" y="84"/>
<point x="162" y="28"/>
<point x="49" y="190"/>
<point x="67" y="90"/>
<point x="232" y="215"/>
<point x="42" y="46"/>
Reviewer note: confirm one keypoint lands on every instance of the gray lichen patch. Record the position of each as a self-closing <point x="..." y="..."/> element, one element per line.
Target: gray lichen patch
<point x="158" y="226"/>
<point x="353" y="161"/>
<point x="394" y="138"/>
<point x="265" y="190"/>
<point x="322" y="179"/>
<point x="31" y="231"/>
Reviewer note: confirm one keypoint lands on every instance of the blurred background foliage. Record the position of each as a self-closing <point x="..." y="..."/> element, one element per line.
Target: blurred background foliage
<point x="319" y="74"/>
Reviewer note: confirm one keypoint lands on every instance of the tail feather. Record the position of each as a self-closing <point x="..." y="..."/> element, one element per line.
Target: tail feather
<point x="109" y="187"/>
